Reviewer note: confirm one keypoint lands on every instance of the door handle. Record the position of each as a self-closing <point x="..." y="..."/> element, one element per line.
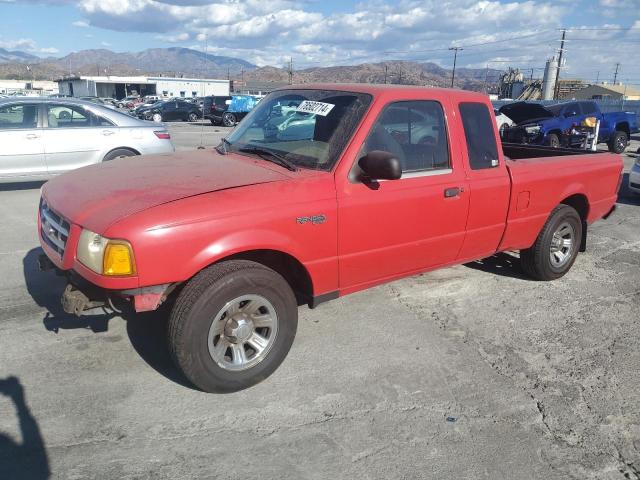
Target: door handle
<point x="452" y="192"/>
<point x="31" y="136"/>
<point x="107" y="132"/>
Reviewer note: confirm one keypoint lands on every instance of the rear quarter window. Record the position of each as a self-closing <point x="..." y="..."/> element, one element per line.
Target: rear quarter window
<point x="478" y="124"/>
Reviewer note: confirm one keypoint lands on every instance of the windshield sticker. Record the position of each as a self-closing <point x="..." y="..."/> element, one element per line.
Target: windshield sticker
<point x="319" y="108"/>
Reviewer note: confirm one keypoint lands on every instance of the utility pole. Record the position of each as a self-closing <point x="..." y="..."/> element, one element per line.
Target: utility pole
<point x="597" y="77"/>
<point x="242" y="76"/>
<point x="486" y="74"/>
<point x="531" y="77"/>
<point x="290" y="70"/>
<point x="556" y="88"/>
<point x="228" y="74"/>
<point x="386" y="69"/>
<point x="455" y="57"/>
<point x="615" y="75"/>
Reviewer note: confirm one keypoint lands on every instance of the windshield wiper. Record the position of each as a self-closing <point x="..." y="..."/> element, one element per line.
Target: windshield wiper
<point x="270" y="156"/>
<point x="223" y="146"/>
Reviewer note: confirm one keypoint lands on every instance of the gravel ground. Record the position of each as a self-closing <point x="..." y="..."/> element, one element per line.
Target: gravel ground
<point x="468" y="372"/>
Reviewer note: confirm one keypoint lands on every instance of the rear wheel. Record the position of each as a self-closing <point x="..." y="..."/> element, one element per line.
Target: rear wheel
<point x="193" y="117"/>
<point x="156" y="117"/>
<point x="118" y="153"/>
<point x="228" y="119"/>
<point x="553" y="140"/>
<point x="618" y="142"/>
<point x="556" y="247"/>
<point x="232" y="325"/>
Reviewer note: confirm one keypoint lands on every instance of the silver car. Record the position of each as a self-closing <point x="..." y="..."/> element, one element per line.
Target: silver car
<point x="41" y="137"/>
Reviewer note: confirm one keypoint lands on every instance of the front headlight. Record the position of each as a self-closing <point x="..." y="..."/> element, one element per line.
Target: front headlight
<point x="105" y="256"/>
<point x="533" y="129"/>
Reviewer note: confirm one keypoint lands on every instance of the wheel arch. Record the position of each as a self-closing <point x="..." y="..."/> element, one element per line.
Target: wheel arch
<point x="580" y="203"/>
<point x="130" y="149"/>
<point x="623" y="127"/>
<point x="291" y="269"/>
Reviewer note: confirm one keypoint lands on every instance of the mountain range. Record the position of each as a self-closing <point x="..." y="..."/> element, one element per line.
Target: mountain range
<point x="192" y="63"/>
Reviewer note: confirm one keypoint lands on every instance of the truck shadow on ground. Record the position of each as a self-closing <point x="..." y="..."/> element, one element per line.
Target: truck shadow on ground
<point x="21" y="186"/>
<point x="146" y="331"/>
<point x="28" y="459"/>
<point x="626" y="196"/>
<point x="504" y="264"/>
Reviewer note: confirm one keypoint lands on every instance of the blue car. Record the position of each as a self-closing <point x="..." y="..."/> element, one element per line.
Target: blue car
<point x="554" y="125"/>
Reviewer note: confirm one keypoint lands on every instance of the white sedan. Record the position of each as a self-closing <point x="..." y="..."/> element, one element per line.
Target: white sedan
<point x="42" y="137"/>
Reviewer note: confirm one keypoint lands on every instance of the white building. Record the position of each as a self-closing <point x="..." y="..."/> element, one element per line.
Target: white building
<point x="120" y="87"/>
<point x="30" y="87"/>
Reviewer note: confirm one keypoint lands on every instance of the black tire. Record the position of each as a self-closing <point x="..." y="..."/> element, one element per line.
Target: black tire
<point x="117" y="153"/>
<point x="553" y="140"/>
<point x="618" y="142"/>
<point x="229" y="119"/>
<point x="536" y="261"/>
<point x="193" y="117"/>
<point x="202" y="300"/>
<point x="215" y="123"/>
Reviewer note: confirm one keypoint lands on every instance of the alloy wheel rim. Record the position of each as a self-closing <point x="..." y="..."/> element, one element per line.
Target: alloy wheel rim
<point x="562" y="245"/>
<point x="243" y="332"/>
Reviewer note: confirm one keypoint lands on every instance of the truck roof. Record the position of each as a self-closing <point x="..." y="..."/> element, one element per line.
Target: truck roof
<point x="377" y="89"/>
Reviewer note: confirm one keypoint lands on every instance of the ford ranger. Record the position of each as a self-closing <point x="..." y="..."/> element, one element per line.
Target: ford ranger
<point x="553" y="125"/>
<point x="321" y="191"/>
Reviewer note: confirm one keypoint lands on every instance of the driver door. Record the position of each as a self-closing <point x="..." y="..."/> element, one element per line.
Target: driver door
<point x="396" y="227"/>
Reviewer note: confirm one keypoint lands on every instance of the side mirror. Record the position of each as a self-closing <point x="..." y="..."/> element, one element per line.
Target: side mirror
<point x="380" y="165"/>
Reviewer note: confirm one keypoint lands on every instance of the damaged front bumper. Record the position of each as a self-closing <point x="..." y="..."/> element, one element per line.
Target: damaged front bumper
<point x="81" y="295"/>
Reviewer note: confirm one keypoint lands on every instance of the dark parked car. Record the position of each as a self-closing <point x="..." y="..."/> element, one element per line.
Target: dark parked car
<point x="216" y="109"/>
<point x="170" y="110"/>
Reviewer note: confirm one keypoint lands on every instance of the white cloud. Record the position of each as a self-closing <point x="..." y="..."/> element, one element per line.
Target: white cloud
<point x="180" y="37"/>
<point x="80" y="23"/>
<point x="105" y="44"/>
<point x="22" y="44"/>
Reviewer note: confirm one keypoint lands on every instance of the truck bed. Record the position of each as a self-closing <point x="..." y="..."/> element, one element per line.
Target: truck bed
<point x="543" y="177"/>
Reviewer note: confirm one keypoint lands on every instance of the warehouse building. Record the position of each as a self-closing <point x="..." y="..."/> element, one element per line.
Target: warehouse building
<point x="606" y="91"/>
<point x="120" y="87"/>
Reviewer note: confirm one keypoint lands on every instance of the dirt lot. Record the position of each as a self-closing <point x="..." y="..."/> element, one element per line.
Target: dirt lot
<point x="470" y="372"/>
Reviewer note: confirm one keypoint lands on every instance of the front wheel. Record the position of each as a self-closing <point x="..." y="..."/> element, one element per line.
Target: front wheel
<point x="556" y="247"/>
<point x="618" y="142"/>
<point x="553" y="140"/>
<point x="232" y="325"/>
<point x="193" y="117"/>
<point x="156" y="117"/>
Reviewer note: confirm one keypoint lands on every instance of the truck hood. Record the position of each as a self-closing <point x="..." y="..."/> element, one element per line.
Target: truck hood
<point x="99" y="195"/>
<point x="524" y="112"/>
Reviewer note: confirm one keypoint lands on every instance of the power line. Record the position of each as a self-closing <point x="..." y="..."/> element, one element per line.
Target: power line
<point x="470" y="45"/>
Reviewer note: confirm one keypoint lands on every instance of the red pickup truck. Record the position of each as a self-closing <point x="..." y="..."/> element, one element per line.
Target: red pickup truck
<point x="321" y="191"/>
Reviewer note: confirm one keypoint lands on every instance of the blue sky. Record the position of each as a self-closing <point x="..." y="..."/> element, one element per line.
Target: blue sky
<point x="497" y="33"/>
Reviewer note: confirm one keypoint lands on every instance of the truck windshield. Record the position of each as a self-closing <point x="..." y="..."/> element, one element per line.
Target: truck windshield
<point x="310" y="128"/>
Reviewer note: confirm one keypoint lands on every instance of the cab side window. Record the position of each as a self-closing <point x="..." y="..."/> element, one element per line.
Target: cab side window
<point x="415" y="133"/>
<point x="479" y="124"/>
<point x="18" y="116"/>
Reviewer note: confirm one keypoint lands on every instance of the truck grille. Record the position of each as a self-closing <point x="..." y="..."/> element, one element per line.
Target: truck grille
<point x="54" y="228"/>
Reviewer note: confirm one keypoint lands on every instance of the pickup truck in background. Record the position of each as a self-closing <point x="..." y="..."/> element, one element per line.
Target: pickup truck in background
<point x="372" y="183"/>
<point x="553" y="125"/>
